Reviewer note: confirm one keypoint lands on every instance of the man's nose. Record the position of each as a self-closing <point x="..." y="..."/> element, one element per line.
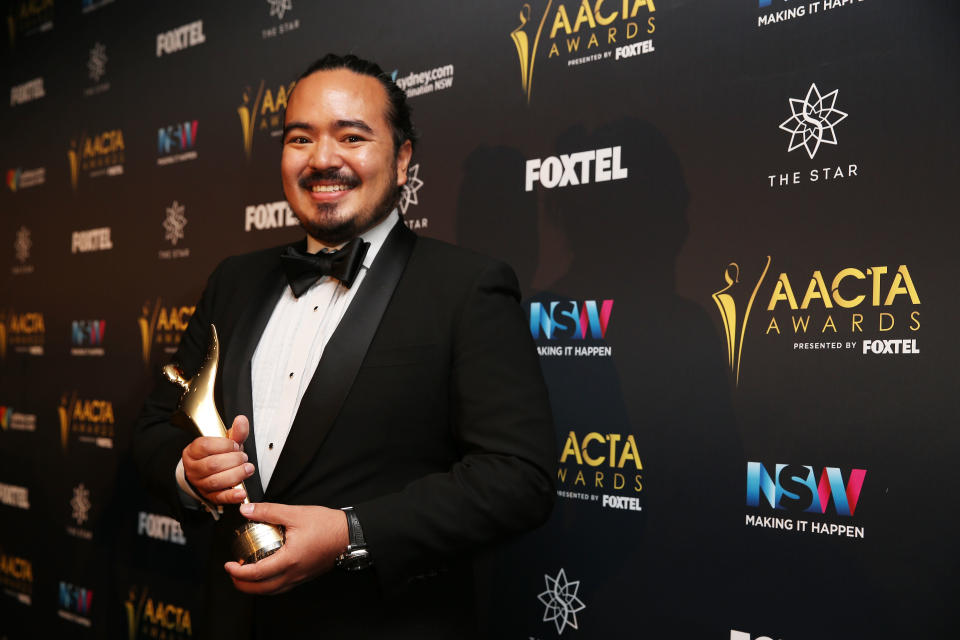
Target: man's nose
<point x="325" y="154"/>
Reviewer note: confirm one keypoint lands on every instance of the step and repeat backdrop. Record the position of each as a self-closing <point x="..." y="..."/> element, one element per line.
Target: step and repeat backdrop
<point x="735" y="226"/>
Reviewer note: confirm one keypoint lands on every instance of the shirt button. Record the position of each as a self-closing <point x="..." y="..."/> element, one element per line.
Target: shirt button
<point x="316" y="307"/>
<point x="270" y="446"/>
<point x="291" y="374"/>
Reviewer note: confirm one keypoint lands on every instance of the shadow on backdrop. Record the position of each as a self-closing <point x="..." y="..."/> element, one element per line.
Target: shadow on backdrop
<point x="671" y="565"/>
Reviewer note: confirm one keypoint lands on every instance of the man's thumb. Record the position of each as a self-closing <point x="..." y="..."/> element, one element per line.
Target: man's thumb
<point x="266" y="512"/>
<point x="240" y="430"/>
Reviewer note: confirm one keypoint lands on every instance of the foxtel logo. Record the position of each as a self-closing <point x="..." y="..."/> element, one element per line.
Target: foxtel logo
<point x="890" y="346"/>
<point x="272" y="215"/>
<point x="189" y="35"/>
<point x="575" y="168"/>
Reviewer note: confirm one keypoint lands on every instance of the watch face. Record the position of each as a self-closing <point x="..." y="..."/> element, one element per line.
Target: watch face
<point x="355" y="560"/>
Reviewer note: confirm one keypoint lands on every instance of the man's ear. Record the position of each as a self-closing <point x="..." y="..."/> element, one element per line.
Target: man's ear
<point x="404" y="153"/>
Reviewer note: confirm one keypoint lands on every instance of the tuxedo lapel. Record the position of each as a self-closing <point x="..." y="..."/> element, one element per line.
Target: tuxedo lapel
<point x="237" y="371"/>
<point x="341" y="360"/>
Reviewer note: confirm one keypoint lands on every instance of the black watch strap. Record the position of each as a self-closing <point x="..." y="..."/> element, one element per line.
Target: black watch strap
<point x="356" y="556"/>
<point x="354" y="529"/>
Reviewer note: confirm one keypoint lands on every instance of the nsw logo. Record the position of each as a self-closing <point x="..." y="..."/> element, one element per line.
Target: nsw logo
<point x="570" y="320"/>
<point x="176" y="142"/>
<point x="796" y="488"/>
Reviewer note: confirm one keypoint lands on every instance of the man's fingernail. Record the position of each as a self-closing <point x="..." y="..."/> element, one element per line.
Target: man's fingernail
<point x="236" y="446"/>
<point x="245" y="458"/>
<point x="248" y="468"/>
<point x="239" y="494"/>
<point x="246" y="509"/>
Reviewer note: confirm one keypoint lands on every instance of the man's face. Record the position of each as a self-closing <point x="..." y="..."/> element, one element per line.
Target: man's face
<point x="339" y="167"/>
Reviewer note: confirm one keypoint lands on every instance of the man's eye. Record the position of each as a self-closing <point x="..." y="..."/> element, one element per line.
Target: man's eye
<point x="353" y="138"/>
<point x="298" y="140"/>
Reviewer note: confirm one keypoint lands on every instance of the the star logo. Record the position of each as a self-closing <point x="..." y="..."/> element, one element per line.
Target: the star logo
<point x="80" y="503"/>
<point x="561" y="601"/>
<point x="97" y="64"/>
<point x="409" y="194"/>
<point x="280" y="7"/>
<point x="174" y="223"/>
<point x="813" y="121"/>
<point x="22" y="244"/>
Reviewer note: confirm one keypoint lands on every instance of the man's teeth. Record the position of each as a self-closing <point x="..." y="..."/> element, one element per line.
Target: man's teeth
<point x="326" y="188"/>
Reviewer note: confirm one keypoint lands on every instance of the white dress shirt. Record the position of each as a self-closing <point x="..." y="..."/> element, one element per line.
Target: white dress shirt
<point x="290" y="350"/>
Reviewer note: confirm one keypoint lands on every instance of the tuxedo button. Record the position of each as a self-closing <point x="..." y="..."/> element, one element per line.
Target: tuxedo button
<point x="270" y="446"/>
<point x="291" y="374"/>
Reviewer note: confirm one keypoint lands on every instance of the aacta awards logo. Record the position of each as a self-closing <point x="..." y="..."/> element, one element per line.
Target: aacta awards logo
<point x="29" y="17"/>
<point x="75" y="603"/>
<point x="162" y="325"/>
<point x="23" y="332"/>
<point x="16" y="577"/>
<point x="583" y="34"/>
<point x="97" y="155"/>
<point x="91" y="421"/>
<point x="859" y="302"/>
<point x="796" y="488"/>
<point x="149" y="618"/>
<point x="578" y="325"/>
<point x="604" y="468"/>
<point x="262" y="113"/>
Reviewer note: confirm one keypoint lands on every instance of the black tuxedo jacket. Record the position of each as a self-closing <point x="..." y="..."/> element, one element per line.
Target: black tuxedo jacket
<point x="427" y="413"/>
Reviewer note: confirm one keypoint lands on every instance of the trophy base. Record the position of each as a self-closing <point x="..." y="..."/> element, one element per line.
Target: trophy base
<point x="255" y="541"/>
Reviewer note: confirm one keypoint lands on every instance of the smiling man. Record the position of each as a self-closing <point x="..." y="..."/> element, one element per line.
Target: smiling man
<point x="386" y="399"/>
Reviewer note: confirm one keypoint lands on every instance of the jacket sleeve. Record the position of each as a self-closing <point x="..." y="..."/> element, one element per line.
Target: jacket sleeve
<point x="500" y="414"/>
<point x="158" y="444"/>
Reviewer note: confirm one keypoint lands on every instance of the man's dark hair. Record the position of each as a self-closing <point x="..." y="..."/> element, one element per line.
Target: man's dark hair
<point x="398" y="111"/>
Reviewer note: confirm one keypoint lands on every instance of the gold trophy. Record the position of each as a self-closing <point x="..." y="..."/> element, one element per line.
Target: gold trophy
<point x="198" y="414"/>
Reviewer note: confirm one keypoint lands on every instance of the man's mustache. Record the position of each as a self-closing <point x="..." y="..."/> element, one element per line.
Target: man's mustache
<point x="329" y="175"/>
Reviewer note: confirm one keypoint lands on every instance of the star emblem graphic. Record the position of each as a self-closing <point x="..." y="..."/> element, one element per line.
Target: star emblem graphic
<point x="80" y="503"/>
<point x="174" y="223"/>
<point x="22" y="244"/>
<point x="813" y="121"/>
<point x="409" y="194"/>
<point x="561" y="601"/>
<point x="97" y="64"/>
<point x="280" y="7"/>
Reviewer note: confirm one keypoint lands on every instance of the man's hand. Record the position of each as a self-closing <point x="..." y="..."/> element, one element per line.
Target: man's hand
<point x="315" y="536"/>
<point x="214" y="466"/>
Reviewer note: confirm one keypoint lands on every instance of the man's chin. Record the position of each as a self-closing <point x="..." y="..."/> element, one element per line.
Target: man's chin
<point x="330" y="234"/>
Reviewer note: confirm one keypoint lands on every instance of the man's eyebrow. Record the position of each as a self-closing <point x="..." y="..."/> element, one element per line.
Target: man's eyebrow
<point x="354" y="124"/>
<point x="306" y="126"/>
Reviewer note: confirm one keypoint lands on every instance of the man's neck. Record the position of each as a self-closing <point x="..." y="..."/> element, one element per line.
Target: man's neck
<point x="315" y="246"/>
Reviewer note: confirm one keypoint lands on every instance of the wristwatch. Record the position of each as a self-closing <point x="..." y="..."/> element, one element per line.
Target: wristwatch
<point x="356" y="557"/>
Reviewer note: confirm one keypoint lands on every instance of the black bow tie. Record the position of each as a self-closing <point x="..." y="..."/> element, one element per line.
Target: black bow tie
<point x="303" y="269"/>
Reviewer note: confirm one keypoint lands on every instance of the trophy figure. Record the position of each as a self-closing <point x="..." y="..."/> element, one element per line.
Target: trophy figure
<point x="198" y="414"/>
